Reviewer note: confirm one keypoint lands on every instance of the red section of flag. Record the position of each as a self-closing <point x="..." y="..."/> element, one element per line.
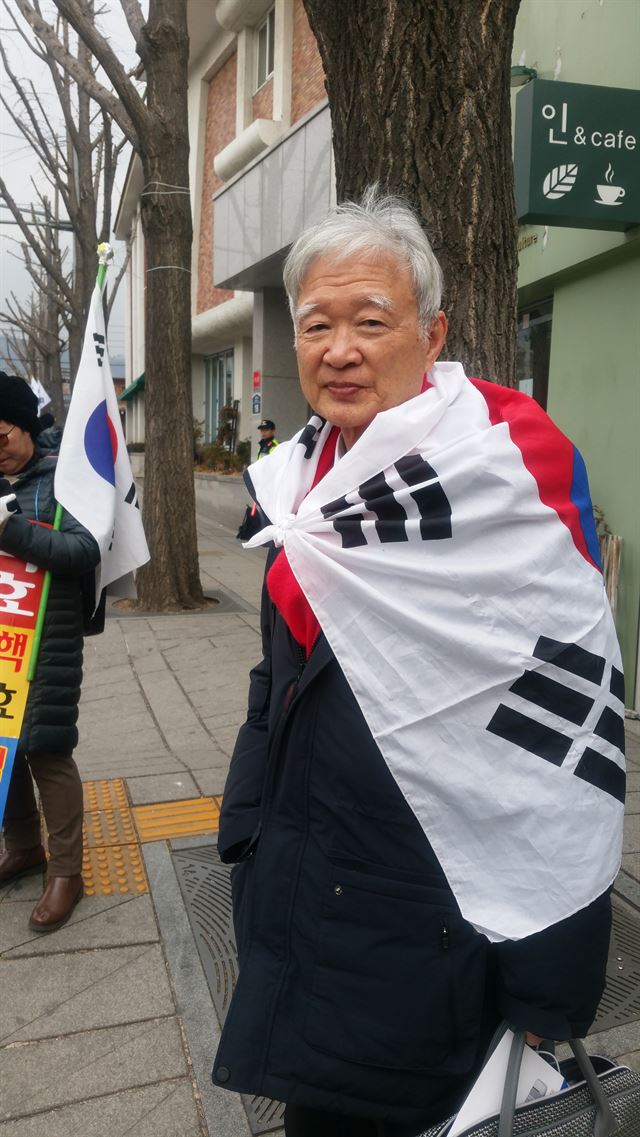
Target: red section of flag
<point x="546" y="452"/>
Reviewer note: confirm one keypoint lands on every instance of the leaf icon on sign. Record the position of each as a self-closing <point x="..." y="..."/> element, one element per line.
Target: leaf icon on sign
<point x="559" y="181"/>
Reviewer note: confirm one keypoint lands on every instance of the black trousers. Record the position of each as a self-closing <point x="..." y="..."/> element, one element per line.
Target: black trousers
<point x="302" y="1122"/>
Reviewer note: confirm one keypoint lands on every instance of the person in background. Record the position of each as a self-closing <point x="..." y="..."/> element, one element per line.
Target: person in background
<point x="268" y="440"/>
<point x="424" y="807"/>
<point x="50" y="435"/>
<point x="49" y="732"/>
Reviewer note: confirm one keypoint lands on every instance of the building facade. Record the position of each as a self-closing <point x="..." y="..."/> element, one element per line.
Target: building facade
<point x="262" y="170"/>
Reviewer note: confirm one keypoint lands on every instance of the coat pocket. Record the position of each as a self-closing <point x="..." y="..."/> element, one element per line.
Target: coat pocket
<point x="399" y="978"/>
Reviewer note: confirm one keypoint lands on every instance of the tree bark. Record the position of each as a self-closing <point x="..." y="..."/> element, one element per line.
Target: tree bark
<point x="157" y="128"/>
<point x="419" y="99"/>
<point x="172" y="577"/>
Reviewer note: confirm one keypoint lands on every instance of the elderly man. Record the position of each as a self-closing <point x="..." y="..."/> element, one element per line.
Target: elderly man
<point x="424" y="806"/>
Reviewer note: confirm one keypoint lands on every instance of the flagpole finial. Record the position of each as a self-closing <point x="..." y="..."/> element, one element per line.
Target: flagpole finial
<point x="105" y="253"/>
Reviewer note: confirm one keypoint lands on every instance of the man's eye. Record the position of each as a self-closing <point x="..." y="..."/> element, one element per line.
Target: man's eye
<point x="372" y="323"/>
<point x="314" y="328"/>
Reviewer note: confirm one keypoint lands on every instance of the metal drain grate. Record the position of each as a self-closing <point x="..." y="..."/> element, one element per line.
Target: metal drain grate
<point x="621" y="1000"/>
<point x="206" y="889"/>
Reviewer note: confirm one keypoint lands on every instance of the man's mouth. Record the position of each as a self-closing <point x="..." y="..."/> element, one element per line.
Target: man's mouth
<point x="344" y="390"/>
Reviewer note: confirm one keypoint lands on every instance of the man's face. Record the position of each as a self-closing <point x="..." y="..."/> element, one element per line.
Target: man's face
<point x="266" y="435"/>
<point x="16" y="448"/>
<point x="359" y="344"/>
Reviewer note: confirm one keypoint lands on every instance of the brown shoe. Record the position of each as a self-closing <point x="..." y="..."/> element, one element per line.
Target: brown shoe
<point x="56" y="904"/>
<point x="15" y="863"/>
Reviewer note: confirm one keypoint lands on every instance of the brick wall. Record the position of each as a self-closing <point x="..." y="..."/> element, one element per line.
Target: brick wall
<point x="307" y="80"/>
<point x="262" y="102"/>
<point x="219" y="131"/>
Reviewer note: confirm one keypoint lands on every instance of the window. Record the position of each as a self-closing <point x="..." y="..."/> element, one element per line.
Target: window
<point x="534" y="349"/>
<point x="218" y="390"/>
<point x="264" y="48"/>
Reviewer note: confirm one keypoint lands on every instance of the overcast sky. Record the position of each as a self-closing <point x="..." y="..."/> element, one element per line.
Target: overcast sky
<point x="19" y="165"/>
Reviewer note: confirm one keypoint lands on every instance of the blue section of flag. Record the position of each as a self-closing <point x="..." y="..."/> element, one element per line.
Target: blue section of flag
<point x="8" y="747"/>
<point x="581" y="498"/>
<point x="97" y="443"/>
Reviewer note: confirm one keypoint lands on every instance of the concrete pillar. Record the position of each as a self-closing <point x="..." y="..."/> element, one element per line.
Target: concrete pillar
<point x="274" y="357"/>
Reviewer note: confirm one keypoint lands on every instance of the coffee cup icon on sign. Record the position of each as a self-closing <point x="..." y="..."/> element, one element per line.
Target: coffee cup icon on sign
<point x="609" y="194"/>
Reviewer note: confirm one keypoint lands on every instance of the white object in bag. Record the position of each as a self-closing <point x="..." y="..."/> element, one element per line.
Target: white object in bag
<point x="537" y="1080"/>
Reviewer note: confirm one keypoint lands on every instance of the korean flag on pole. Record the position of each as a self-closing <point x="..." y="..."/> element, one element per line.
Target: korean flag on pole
<point x="93" y="478"/>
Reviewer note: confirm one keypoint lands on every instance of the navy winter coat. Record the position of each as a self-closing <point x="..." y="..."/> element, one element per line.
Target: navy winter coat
<point x="52" y="706"/>
<point x="362" y="990"/>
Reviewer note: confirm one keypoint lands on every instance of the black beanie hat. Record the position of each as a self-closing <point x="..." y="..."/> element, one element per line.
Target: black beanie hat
<point x="18" y="404"/>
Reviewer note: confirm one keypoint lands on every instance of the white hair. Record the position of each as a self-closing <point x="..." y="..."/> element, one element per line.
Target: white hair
<point x="378" y="223"/>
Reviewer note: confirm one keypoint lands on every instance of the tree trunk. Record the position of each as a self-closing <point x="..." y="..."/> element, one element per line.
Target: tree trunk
<point x="172" y="579"/>
<point x="419" y="99"/>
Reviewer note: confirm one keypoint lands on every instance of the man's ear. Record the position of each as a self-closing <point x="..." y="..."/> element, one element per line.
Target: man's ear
<point x="436" y="337"/>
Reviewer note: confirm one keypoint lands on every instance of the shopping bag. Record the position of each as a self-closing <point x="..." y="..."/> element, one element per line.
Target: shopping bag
<point x="602" y="1099"/>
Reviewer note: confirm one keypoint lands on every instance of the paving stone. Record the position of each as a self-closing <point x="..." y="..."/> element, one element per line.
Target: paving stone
<point x="632" y="804"/>
<point x="26" y="888"/>
<point x="97" y="922"/>
<point x="211" y="782"/>
<point x="161" y="787"/>
<point x="223" y="1111"/>
<point x="622" y="1039"/>
<point x="631" y="864"/>
<point x="151" y="663"/>
<point x="82" y="991"/>
<point x="631" y="843"/>
<point x="89" y="1064"/>
<point x="166" y="1109"/>
<point x="632" y="1060"/>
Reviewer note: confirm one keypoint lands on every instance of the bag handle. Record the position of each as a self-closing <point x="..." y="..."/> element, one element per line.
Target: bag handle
<point x="605" y="1123"/>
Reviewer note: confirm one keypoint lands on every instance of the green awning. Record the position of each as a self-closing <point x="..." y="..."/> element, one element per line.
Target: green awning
<point x="133" y="388"/>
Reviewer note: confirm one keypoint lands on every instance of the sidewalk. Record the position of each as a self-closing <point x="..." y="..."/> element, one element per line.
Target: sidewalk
<point x="109" y="1027"/>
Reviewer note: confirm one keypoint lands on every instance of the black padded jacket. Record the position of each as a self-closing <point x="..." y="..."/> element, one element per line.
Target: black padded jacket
<point x="52" y="706"/>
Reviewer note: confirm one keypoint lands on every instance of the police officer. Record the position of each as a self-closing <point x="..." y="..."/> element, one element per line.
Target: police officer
<point x="268" y="440"/>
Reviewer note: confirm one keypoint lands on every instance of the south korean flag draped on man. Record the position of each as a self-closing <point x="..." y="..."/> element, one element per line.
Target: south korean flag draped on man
<point x="451" y="560"/>
<point x="93" y="478"/>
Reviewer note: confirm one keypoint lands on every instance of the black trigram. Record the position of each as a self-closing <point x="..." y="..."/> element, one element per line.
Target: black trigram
<point x="131" y="498"/>
<point x="378" y="498"/>
<point x="98" y="341"/>
<point x="311" y="434"/>
<point x="573" y="706"/>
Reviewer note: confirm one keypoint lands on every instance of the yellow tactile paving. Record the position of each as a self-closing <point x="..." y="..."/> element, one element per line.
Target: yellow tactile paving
<point x="166" y="819"/>
<point x="105" y="795"/>
<point x="116" y="870"/>
<point x="112" y="859"/>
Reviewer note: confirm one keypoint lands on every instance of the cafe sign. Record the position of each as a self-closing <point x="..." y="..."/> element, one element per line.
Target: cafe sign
<point x="577" y="155"/>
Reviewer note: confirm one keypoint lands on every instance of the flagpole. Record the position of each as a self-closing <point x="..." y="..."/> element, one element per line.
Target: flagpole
<point x="105" y="254"/>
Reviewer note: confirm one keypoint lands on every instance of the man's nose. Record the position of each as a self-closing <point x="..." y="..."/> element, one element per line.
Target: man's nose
<point x="342" y="349"/>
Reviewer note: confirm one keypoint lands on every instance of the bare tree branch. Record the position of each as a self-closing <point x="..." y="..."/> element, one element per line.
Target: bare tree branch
<point x="49" y="153"/>
<point x="119" y="107"/>
<point x="134" y="16"/>
<point x="36" y="246"/>
<point x="119" y="277"/>
<point x="83" y="23"/>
